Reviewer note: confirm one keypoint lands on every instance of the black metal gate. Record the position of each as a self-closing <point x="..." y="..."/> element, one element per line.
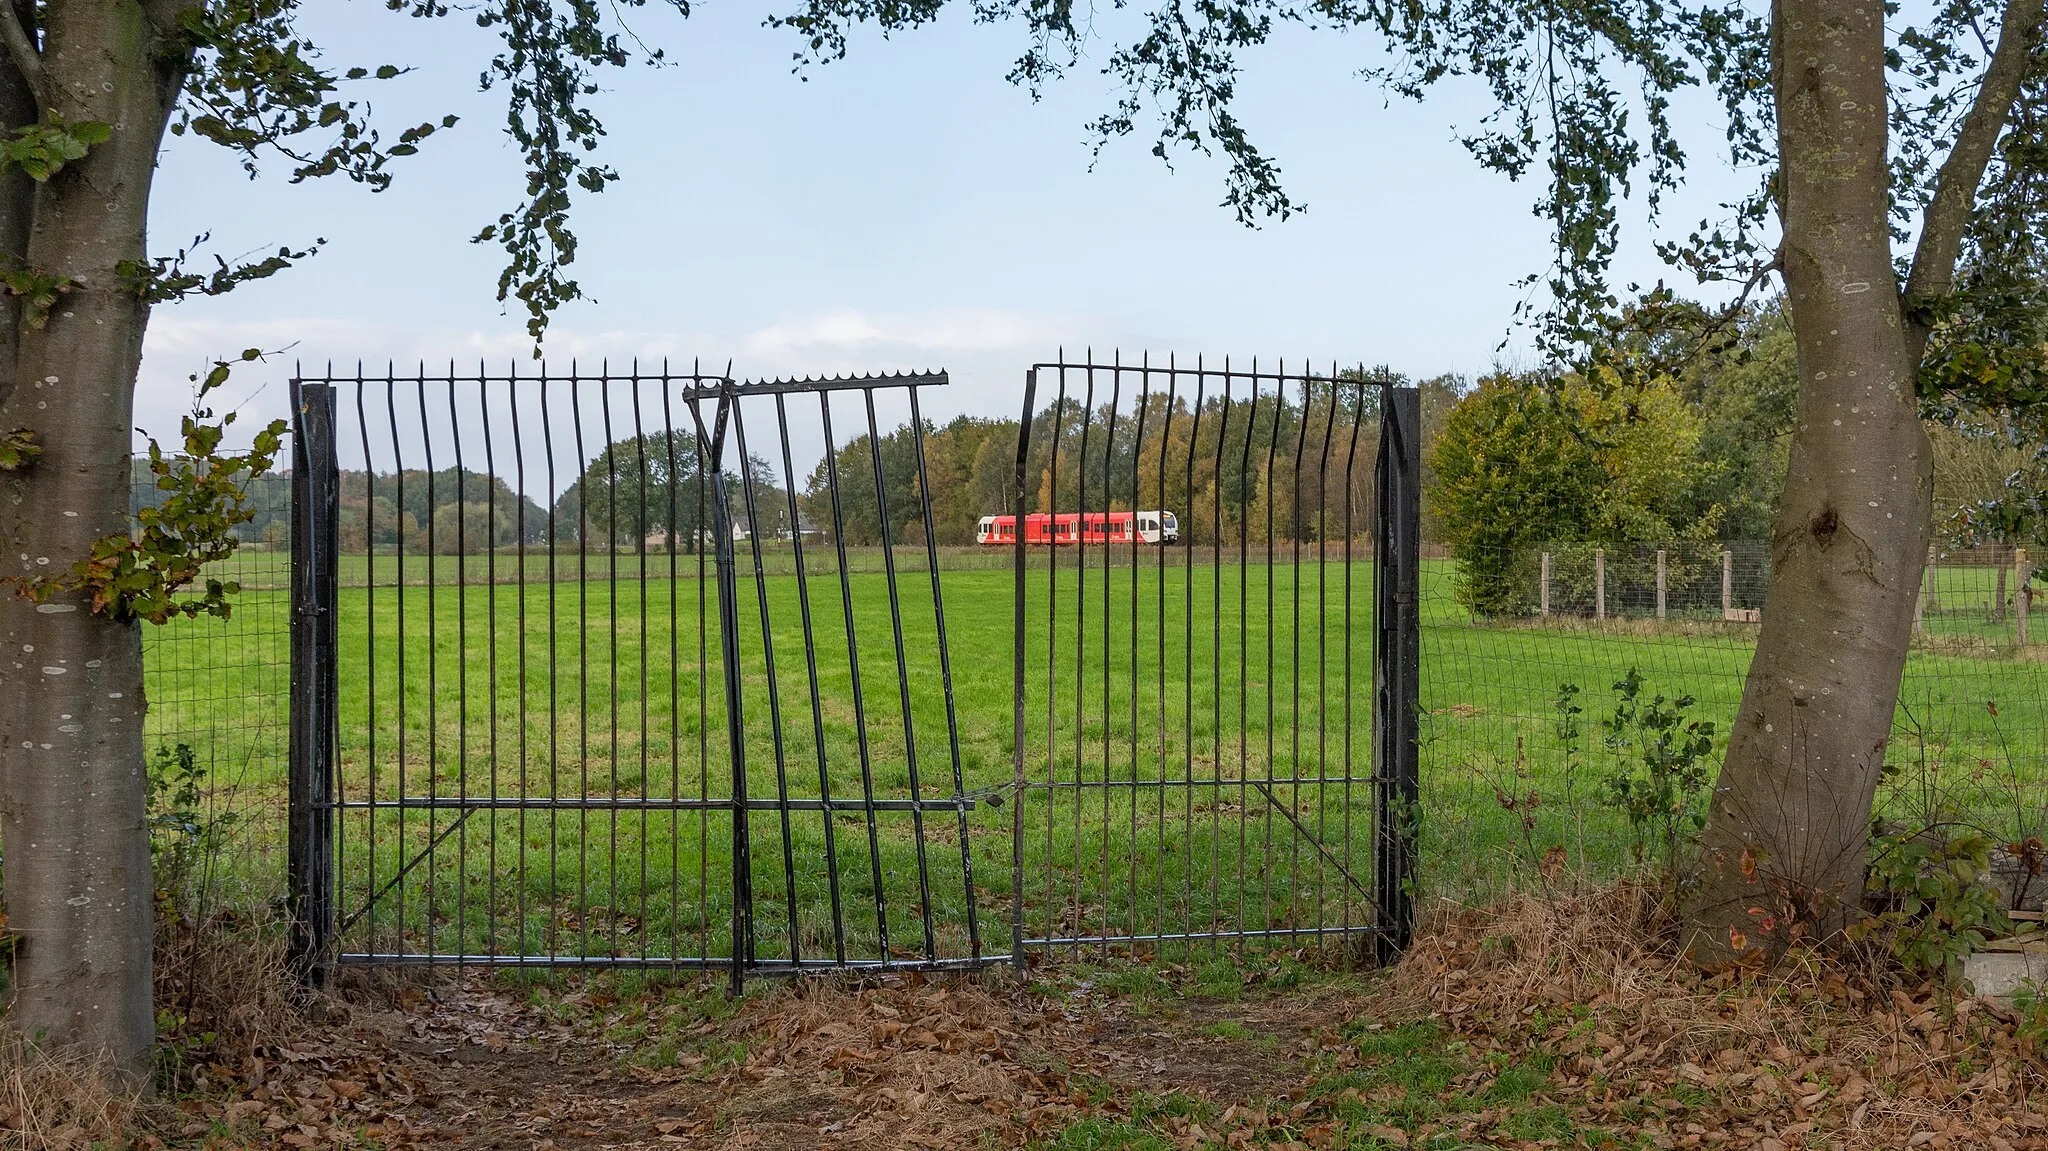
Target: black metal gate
<point x="1211" y="566"/>
<point x="583" y="675"/>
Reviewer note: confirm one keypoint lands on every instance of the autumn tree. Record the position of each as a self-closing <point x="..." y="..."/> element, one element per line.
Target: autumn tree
<point x="1522" y="462"/>
<point x="89" y="89"/>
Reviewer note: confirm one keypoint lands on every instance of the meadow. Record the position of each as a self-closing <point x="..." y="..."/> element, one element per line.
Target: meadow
<point x="538" y="766"/>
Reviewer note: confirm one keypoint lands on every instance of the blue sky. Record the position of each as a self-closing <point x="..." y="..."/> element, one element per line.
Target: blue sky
<point x="903" y="208"/>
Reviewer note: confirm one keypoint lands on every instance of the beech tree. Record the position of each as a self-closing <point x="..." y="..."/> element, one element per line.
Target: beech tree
<point x="1914" y="283"/>
<point x="89" y="89"/>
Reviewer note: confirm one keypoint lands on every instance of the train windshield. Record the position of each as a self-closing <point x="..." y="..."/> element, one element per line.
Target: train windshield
<point x="1171" y="524"/>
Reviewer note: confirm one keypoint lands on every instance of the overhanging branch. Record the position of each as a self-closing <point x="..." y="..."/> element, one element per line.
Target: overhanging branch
<point x="27" y="60"/>
<point x="1955" y="186"/>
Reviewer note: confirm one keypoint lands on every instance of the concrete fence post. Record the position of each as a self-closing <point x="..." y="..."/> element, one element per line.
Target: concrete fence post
<point x="1661" y="582"/>
<point x="2023" y="594"/>
<point x="1727" y="583"/>
<point x="1543" y="587"/>
<point x="1599" y="583"/>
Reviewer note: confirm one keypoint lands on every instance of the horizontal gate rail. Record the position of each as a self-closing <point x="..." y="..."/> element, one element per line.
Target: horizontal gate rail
<point x="515" y="804"/>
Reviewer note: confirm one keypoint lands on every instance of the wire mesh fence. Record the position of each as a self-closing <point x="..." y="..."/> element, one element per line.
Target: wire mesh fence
<point x="1515" y="703"/>
<point x="219" y="719"/>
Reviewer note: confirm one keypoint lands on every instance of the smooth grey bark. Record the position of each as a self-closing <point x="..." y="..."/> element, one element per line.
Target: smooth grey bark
<point x="1783" y="854"/>
<point x="72" y="792"/>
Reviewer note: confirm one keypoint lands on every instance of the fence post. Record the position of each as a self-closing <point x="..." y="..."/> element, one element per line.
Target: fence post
<point x="1727" y="583"/>
<point x="2023" y="595"/>
<point x="1599" y="583"/>
<point x="1017" y="779"/>
<point x="1998" y="598"/>
<point x="1397" y="656"/>
<point x="1933" y="584"/>
<point x="1543" y="588"/>
<point x="309" y="850"/>
<point x="1661" y="583"/>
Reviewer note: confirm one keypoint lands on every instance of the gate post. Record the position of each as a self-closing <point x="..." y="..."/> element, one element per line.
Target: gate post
<point x="1397" y="659"/>
<point x="316" y="506"/>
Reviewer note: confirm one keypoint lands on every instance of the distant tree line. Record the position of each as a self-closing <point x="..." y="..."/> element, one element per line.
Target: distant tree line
<point x="1233" y="468"/>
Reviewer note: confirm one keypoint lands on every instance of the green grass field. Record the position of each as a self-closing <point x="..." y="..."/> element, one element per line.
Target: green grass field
<point x="1153" y="815"/>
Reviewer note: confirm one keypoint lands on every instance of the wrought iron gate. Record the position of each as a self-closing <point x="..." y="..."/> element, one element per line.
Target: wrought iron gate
<point x="584" y="677"/>
<point x="1196" y="756"/>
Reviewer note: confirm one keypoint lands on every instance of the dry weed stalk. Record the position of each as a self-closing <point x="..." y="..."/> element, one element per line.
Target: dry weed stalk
<point x="224" y="982"/>
<point x="58" y="1101"/>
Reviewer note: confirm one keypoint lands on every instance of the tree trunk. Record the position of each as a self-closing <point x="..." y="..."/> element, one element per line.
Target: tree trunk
<point x="72" y="792"/>
<point x="1783" y="852"/>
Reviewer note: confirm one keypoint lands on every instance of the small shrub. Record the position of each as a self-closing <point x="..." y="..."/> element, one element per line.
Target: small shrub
<point x="185" y="835"/>
<point x="2030" y="1001"/>
<point x="1934" y="906"/>
<point x="1660" y="772"/>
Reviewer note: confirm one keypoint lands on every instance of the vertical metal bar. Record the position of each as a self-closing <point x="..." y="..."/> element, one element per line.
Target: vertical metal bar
<point x="739" y="426"/>
<point x="703" y="692"/>
<point x="728" y="631"/>
<point x="1350" y="532"/>
<point x="583" y="478"/>
<point x="1165" y="736"/>
<point x="1187" y="615"/>
<point x="1244" y="564"/>
<point x="924" y="882"/>
<point x="369" y="649"/>
<point x="640" y="599"/>
<point x="1081" y="642"/>
<point x="1017" y="778"/>
<point x="1294" y="676"/>
<point x="1272" y="796"/>
<point x="1137" y="540"/>
<point x="462" y="945"/>
<point x="1052" y="644"/>
<point x="1216" y="664"/>
<point x="554" y="818"/>
<point x="490" y="641"/>
<point x="430" y="928"/>
<point x="525" y="788"/>
<point x="1116" y="383"/>
<point x="316" y="508"/>
<point x="675" y="671"/>
<point x="1397" y="650"/>
<point x="611" y="579"/>
<point x="1323" y="647"/>
<point x="931" y="554"/>
<point x="860" y="717"/>
<point x="803" y="598"/>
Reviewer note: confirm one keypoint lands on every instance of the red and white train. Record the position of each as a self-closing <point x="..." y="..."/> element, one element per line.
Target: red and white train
<point x="1155" y="527"/>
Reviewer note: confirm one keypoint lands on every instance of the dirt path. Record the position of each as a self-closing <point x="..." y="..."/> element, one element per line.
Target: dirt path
<point x="905" y="1062"/>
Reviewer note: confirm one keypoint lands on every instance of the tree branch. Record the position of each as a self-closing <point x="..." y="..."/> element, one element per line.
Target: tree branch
<point x="27" y="60"/>
<point x="1955" y="187"/>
